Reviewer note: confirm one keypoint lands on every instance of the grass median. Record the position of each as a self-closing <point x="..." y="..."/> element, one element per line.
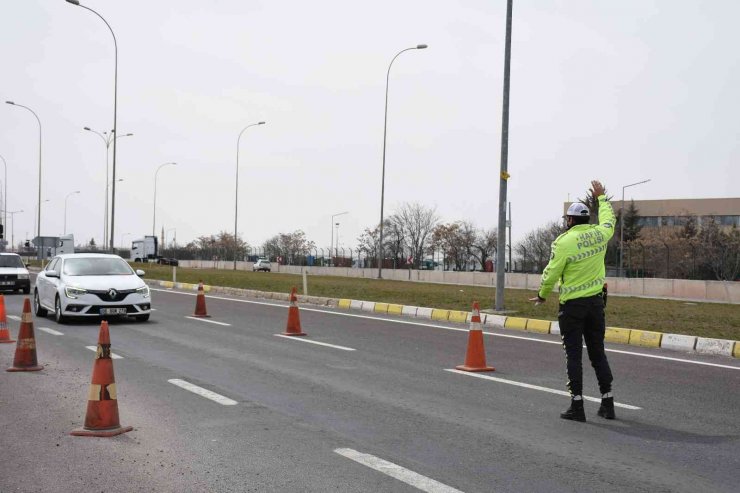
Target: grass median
<point x="678" y="317"/>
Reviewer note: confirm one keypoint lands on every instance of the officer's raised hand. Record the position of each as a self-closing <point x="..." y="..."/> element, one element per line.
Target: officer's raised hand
<point x="597" y="189"/>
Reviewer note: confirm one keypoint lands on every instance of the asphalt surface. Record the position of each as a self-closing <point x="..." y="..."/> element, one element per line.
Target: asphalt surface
<point x="298" y="403"/>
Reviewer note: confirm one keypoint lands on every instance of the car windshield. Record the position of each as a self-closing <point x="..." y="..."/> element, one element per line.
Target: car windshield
<point x="92" y="266"/>
<point x="11" y="261"/>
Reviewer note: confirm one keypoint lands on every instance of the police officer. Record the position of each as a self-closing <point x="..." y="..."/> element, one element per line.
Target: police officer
<point x="577" y="261"/>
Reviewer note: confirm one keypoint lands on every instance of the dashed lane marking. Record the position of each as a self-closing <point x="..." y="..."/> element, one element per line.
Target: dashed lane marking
<point x="209" y="321"/>
<point x="224" y="401"/>
<point x="301" y="339"/>
<point x="536" y="387"/>
<point x="51" y="331"/>
<point x="458" y="329"/>
<point x="14" y="317"/>
<point x="395" y="471"/>
<point x="112" y="355"/>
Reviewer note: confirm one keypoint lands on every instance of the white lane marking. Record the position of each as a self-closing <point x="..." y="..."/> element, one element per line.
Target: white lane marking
<point x="200" y="319"/>
<point x="51" y="331"/>
<point x="112" y="355"/>
<point x="535" y="387"/>
<point x="302" y="339"/>
<point x="407" y="476"/>
<point x="14" y="317"/>
<point x="436" y="326"/>
<point x="225" y="401"/>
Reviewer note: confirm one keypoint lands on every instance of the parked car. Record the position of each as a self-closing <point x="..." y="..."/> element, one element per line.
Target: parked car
<point x="262" y="264"/>
<point x="91" y="285"/>
<point x="13" y="273"/>
<point x="168" y="261"/>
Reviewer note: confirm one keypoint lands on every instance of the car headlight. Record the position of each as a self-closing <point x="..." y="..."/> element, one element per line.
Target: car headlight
<point x="74" y="292"/>
<point x="143" y="291"/>
<point x="22" y="276"/>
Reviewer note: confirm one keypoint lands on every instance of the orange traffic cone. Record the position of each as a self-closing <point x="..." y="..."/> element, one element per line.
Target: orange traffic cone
<point x="25" y="348"/>
<point x="200" y="302"/>
<point x="294" y="320"/>
<point x="4" y="332"/>
<point x="475" y="358"/>
<point x="101" y="419"/>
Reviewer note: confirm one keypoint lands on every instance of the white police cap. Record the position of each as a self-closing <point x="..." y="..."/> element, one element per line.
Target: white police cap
<point x="578" y="209"/>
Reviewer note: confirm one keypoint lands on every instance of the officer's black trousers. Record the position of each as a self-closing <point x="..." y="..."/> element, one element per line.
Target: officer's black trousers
<point x="583" y="319"/>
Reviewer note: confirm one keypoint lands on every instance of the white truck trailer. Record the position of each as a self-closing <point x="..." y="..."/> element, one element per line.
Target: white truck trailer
<point x="145" y="249"/>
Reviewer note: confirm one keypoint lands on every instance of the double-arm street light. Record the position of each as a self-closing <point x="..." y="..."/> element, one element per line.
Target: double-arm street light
<point x="115" y="119"/>
<point x="107" y="140"/>
<point x="621" y="225"/>
<point x="154" y="212"/>
<point x="65" y="209"/>
<point x="236" y="199"/>
<point x="382" y="180"/>
<point x="332" y="230"/>
<point x="38" y="230"/>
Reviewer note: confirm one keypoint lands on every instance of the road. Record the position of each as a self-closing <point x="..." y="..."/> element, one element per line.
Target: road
<point x="376" y="409"/>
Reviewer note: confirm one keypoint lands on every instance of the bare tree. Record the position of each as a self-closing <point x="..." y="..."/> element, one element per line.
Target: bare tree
<point x="417" y="223"/>
<point x="456" y="241"/>
<point x="484" y="245"/>
<point x="289" y="245"/>
<point x="534" y="249"/>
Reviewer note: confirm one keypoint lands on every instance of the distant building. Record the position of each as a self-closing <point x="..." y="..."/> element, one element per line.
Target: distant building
<point x="676" y="212"/>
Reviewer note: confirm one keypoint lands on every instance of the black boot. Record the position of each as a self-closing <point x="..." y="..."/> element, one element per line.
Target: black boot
<point x="606" y="410"/>
<point x="575" y="412"/>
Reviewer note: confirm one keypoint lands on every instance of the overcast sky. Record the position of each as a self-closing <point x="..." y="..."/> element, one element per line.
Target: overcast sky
<point x="620" y="91"/>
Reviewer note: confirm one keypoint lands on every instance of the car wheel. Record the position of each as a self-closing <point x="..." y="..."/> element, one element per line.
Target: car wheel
<point x="26" y="290"/>
<point x="58" y="317"/>
<point x="142" y="318"/>
<point x="39" y="310"/>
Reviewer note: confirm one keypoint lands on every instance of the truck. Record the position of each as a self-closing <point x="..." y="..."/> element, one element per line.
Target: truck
<point x="145" y="249"/>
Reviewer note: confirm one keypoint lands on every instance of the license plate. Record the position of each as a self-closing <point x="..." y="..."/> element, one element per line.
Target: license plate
<point x="113" y="311"/>
<point x="7" y="283"/>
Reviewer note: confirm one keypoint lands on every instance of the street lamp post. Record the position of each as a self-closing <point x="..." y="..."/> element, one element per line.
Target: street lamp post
<point x="38" y="230"/>
<point x="504" y="173"/>
<point x="236" y="188"/>
<point x="65" y="209"/>
<point x="115" y="119"/>
<point x="621" y="226"/>
<point x="107" y="139"/>
<point x="382" y="180"/>
<point x="336" y="250"/>
<point x="5" y="195"/>
<point x="154" y="212"/>
<point x="332" y="229"/>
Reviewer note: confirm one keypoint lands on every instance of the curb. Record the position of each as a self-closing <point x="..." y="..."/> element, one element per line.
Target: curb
<point x="632" y="337"/>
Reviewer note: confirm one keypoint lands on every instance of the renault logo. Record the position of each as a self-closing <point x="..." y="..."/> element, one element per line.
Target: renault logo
<point x="112" y="293"/>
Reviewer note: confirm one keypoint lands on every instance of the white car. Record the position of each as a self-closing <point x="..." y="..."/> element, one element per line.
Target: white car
<point x="91" y="285"/>
<point x="262" y="264"/>
<point x="13" y="273"/>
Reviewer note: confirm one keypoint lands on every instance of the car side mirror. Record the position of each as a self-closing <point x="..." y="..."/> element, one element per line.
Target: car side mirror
<point x="140" y="273"/>
<point x="52" y="273"/>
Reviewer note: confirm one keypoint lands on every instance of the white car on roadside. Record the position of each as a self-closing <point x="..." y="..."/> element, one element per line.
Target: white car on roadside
<point x="91" y="285"/>
<point x="262" y="264"/>
<point x="13" y="273"/>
